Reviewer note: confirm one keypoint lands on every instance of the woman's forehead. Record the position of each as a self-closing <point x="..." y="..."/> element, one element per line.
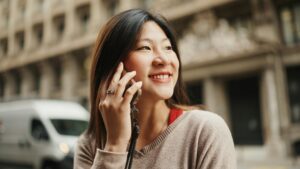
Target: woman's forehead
<point x="150" y="31"/>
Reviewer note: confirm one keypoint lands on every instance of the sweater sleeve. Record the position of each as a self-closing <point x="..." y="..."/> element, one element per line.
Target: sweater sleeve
<point x="216" y="146"/>
<point x="86" y="159"/>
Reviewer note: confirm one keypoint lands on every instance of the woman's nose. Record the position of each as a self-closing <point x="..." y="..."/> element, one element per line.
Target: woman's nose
<point x="161" y="58"/>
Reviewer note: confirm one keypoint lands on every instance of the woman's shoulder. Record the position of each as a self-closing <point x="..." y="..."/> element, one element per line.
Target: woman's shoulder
<point x="205" y="119"/>
<point x="202" y="115"/>
<point x="206" y="124"/>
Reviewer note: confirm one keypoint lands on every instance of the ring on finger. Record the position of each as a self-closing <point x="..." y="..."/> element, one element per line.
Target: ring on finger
<point x="110" y="92"/>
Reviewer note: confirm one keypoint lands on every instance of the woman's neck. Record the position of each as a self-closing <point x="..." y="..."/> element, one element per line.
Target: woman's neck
<point x="153" y="119"/>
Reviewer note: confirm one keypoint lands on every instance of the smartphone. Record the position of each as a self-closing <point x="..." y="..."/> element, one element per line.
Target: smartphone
<point x="133" y="109"/>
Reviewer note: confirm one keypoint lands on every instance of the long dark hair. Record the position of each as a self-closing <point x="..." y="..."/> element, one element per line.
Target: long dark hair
<point x="115" y="40"/>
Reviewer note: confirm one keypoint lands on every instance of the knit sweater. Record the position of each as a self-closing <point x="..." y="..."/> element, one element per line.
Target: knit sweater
<point x="195" y="140"/>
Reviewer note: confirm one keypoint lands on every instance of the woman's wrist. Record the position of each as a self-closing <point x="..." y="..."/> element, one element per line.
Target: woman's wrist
<point x="116" y="147"/>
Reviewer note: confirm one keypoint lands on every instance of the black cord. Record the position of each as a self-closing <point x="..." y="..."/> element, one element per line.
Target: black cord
<point x="134" y="135"/>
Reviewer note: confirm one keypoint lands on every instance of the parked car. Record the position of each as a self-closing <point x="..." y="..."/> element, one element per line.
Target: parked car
<point x="40" y="134"/>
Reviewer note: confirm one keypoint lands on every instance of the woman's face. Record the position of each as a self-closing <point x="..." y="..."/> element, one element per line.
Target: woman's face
<point x="154" y="61"/>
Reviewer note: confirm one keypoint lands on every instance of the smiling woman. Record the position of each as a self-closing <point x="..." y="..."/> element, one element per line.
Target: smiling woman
<point x="155" y="63"/>
<point x="137" y="49"/>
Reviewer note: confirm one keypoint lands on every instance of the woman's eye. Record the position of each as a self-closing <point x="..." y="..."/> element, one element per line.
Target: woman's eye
<point x="144" y="48"/>
<point x="169" y="47"/>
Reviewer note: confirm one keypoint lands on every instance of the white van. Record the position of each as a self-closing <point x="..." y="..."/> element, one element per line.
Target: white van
<point x="40" y="134"/>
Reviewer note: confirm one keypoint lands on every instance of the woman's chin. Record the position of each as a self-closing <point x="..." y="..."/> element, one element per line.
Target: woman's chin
<point x="164" y="95"/>
<point x="158" y="94"/>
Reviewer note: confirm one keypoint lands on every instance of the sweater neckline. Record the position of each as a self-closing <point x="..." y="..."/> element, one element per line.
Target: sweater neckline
<point x="159" y="139"/>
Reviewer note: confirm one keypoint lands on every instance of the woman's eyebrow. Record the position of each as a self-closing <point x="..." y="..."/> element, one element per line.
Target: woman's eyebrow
<point x="150" y="40"/>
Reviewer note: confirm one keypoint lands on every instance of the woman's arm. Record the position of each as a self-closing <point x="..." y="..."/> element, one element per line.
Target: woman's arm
<point x="85" y="158"/>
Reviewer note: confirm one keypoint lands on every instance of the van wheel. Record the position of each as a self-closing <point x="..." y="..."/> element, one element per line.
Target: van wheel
<point x="50" y="165"/>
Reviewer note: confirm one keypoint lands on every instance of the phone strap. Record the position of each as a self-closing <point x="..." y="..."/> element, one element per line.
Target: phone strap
<point x="134" y="135"/>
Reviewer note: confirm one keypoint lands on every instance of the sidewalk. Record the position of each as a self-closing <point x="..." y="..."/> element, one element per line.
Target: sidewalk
<point x="279" y="164"/>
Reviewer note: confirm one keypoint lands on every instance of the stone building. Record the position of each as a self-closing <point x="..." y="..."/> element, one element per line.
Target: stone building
<point x="241" y="59"/>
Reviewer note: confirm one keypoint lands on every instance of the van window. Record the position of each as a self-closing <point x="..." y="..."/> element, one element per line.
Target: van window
<point x="38" y="130"/>
<point x="69" y="127"/>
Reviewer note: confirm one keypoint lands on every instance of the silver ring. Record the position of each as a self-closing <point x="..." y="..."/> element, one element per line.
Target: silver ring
<point x="110" y="92"/>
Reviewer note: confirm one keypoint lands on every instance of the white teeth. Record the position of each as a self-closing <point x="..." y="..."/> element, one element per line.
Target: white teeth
<point x="160" y="76"/>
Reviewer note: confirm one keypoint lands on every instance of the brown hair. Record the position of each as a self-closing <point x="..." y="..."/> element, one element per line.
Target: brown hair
<point x="115" y="40"/>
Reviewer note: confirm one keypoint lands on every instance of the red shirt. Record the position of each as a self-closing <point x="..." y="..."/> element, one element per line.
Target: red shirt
<point x="174" y="114"/>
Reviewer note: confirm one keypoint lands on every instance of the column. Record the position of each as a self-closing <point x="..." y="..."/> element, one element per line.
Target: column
<point x="209" y="93"/>
<point x="71" y="26"/>
<point x="215" y="97"/>
<point x="47" y="79"/>
<point x="27" y="83"/>
<point x="98" y="15"/>
<point x="47" y="18"/>
<point x="221" y="101"/>
<point x="273" y="139"/>
<point x="28" y="25"/>
<point x="282" y="99"/>
<point x="70" y="72"/>
<point x="11" y="27"/>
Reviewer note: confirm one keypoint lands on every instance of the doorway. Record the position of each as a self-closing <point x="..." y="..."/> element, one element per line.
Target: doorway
<point x="245" y="110"/>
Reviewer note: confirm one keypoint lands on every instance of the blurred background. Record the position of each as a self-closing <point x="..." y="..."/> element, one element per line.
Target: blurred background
<point x="241" y="59"/>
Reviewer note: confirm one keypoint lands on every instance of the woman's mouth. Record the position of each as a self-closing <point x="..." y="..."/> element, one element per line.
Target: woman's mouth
<point x="161" y="77"/>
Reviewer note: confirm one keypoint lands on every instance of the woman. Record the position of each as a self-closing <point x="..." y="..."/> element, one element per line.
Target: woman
<point x="138" y="48"/>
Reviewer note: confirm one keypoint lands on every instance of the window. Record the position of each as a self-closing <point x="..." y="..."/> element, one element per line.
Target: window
<point x="294" y="92"/>
<point x="38" y="130"/>
<point x="83" y="15"/>
<point x="4" y="15"/>
<point x="3" y="47"/>
<point x="111" y="6"/>
<point x="69" y="127"/>
<point x="38" y="33"/>
<point x="20" y="40"/>
<point x="195" y="92"/>
<point x="2" y="84"/>
<point x="290" y="23"/>
<point x="244" y="106"/>
<point x="37" y="79"/>
<point x="57" y="74"/>
<point x="59" y="26"/>
<point x="17" y="80"/>
<point x="296" y="148"/>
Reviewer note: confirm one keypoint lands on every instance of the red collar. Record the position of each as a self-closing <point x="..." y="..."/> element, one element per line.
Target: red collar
<point x="174" y="114"/>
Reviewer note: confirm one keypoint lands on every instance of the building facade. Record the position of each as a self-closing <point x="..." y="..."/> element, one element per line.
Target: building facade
<point x="241" y="59"/>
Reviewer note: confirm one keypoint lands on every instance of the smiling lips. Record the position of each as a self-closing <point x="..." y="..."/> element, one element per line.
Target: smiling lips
<point x="161" y="77"/>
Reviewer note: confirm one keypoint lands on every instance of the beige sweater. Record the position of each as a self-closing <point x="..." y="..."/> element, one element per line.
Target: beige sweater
<point x="196" y="140"/>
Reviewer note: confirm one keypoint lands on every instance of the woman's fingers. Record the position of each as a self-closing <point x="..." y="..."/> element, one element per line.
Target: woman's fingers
<point x="123" y="82"/>
<point x="129" y="93"/>
<point x="116" y="77"/>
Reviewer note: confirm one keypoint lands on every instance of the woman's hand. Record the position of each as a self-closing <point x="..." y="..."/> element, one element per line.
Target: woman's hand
<point x="115" y="110"/>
